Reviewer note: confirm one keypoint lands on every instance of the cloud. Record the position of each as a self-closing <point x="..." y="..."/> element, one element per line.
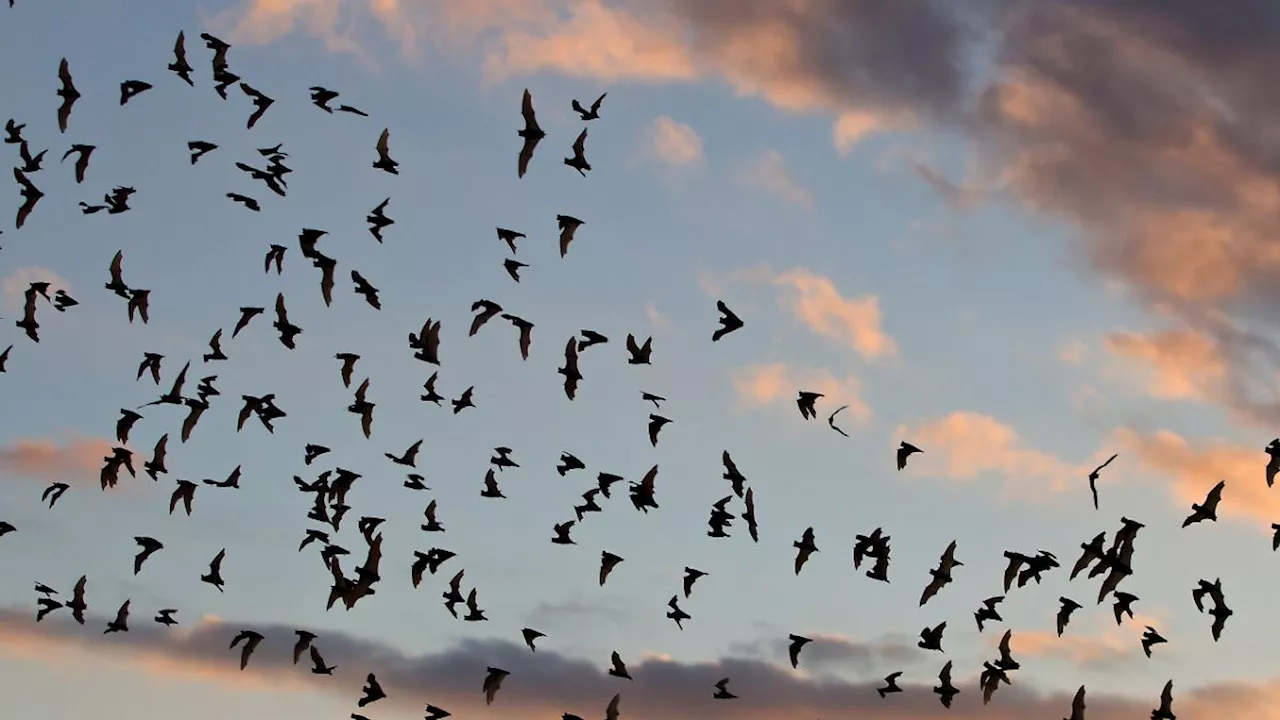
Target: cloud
<point x="769" y="174"/>
<point x="1192" y="469"/>
<point x="872" y="64"/>
<point x="965" y="445"/>
<point x="1176" y="364"/>
<point x="256" y="22"/>
<point x="835" y="653"/>
<point x="344" y="25"/>
<point x="548" y="683"/>
<point x="855" y="322"/>
<point x="673" y="143"/>
<point x="1150" y="129"/>
<point x="815" y="301"/>
<point x="959" y="196"/>
<point x="875" y="67"/>
<point x="659" y="321"/>
<point x="1113" y="645"/>
<point x="16" y="283"/>
<point x="571" y="613"/>
<point x="853" y="126"/>
<point x="77" y="459"/>
<point x="1073" y="351"/>
<point x="1082" y="651"/>
<point x="777" y="383"/>
<point x="596" y="41"/>
<point x="1147" y="126"/>
<point x="869" y="63"/>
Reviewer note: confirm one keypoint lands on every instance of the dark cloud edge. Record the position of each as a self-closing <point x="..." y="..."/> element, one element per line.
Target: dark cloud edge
<point x="552" y="683"/>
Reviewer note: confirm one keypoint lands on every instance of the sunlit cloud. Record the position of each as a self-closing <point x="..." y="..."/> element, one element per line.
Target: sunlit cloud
<point x="1175" y="364"/>
<point x="817" y="303"/>
<point x="72" y="460"/>
<point x="778" y="384"/>
<point x="1192" y="468"/>
<point x="964" y="446"/>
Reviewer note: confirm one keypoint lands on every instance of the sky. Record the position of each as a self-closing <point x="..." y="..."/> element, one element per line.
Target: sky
<point x="1023" y="236"/>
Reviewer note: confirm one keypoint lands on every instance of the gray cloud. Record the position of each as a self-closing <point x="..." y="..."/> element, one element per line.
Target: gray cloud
<point x="959" y="197"/>
<point x="549" y="683"/>
<point x="1152" y="128"/>
<point x="837" y="654"/>
<point x="572" y="613"/>
<point x="904" y="55"/>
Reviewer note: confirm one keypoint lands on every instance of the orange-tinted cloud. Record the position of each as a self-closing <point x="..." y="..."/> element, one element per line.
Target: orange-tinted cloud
<point x="256" y="22"/>
<point x="1105" y="648"/>
<point x="1177" y="364"/>
<point x="338" y="23"/>
<point x="853" y="321"/>
<point x="964" y="446"/>
<point x="548" y="683"/>
<point x="815" y="301"/>
<point x="778" y="384"/>
<point x="1156" y="147"/>
<point x="596" y="40"/>
<point x="1192" y="469"/>
<point x="853" y="126"/>
<point x="75" y="460"/>
<point x="1146" y="126"/>
<point x="892" y="63"/>
<point x="780" y="50"/>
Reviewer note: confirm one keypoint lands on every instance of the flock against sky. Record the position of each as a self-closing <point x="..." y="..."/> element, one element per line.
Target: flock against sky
<point x="595" y="344"/>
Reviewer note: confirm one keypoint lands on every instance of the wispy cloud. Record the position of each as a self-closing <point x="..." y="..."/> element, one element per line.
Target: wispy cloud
<point x="853" y="126"/>
<point x="571" y="613"/>
<point x="255" y="22"/>
<point x="769" y="174"/>
<point x="74" y="460"/>
<point x="672" y="143"/>
<point x="959" y="196"/>
<point x="1191" y="469"/>
<point x="656" y="318"/>
<point x="1095" y="648"/>
<point x="778" y="384"/>
<point x="1175" y="364"/>
<point x="964" y="446"/>
<point x="15" y="284"/>
<point x="1073" y="351"/>
<point x="1086" y="651"/>
<point x="594" y="40"/>
<point x="817" y="303"/>
<point x="835" y="653"/>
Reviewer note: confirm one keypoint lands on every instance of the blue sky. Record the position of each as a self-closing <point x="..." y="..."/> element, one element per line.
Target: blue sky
<point x="1005" y="303"/>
